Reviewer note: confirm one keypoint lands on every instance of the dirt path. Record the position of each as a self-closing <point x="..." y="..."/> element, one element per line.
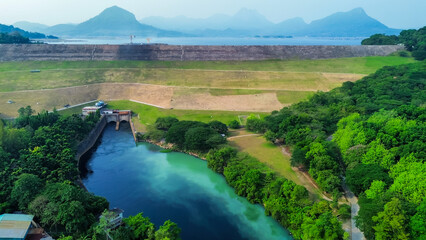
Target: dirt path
<point x="305" y="178"/>
<point x="248" y="135"/>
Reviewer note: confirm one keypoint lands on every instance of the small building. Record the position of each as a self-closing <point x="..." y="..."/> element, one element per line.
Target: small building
<point x="19" y="227"/>
<point x="88" y="110"/>
<point x="114" y="217"/>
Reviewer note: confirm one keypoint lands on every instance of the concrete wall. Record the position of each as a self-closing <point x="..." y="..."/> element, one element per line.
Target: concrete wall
<point x="91" y="139"/>
<point x="40" y="52"/>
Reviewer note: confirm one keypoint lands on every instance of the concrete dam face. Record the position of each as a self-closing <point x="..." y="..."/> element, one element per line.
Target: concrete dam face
<point x="51" y="52"/>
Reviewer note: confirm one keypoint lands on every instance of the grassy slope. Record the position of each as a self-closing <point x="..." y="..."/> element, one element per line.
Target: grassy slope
<point x="362" y="65"/>
<point x="275" y="75"/>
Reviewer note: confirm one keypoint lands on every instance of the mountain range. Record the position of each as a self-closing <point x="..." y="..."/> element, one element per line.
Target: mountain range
<point x="32" y="35"/>
<point x="115" y="21"/>
<point x="354" y="23"/>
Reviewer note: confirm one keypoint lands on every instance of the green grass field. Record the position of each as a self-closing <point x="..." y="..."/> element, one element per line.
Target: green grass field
<point x="149" y="114"/>
<point x="267" y="153"/>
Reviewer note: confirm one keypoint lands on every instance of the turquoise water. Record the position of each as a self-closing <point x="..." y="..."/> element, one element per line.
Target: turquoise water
<point x="175" y="186"/>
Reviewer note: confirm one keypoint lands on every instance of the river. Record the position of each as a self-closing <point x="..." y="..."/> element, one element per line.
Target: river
<point x="175" y="186"/>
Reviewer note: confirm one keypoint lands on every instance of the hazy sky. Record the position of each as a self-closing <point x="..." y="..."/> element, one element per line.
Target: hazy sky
<point x="393" y="13"/>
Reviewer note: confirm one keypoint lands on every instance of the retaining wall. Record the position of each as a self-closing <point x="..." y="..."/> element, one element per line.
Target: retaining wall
<point x="43" y="52"/>
<point x="91" y="139"/>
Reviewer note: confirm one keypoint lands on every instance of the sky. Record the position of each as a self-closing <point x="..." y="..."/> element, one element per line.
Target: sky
<point x="401" y="14"/>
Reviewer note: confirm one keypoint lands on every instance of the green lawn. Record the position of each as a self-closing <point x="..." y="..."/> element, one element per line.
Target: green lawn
<point x="149" y="114"/>
<point x="267" y="153"/>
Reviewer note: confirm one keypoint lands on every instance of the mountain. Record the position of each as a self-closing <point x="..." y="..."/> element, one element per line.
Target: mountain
<point x="112" y="22"/>
<point x="352" y="23"/>
<point x="248" y="20"/>
<point x="30" y="26"/>
<point x="32" y="35"/>
<point x="290" y="26"/>
<point x="115" y="21"/>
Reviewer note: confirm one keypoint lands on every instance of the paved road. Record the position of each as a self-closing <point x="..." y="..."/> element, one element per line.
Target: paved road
<point x="356" y="234"/>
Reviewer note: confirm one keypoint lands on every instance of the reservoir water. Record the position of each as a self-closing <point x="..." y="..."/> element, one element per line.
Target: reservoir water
<point x="219" y="41"/>
<point x="175" y="186"/>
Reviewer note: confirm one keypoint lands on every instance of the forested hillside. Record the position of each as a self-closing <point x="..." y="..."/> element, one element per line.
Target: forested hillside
<point x="373" y="132"/>
<point x="39" y="176"/>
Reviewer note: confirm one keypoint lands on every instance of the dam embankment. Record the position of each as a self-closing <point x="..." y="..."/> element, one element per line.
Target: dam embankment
<point x="46" y="52"/>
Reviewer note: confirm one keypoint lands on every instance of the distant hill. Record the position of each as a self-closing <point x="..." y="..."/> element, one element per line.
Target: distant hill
<point x="30" y="26"/>
<point x="113" y="21"/>
<point x="354" y="23"/>
<point x="32" y="35"/>
<point x="245" y="20"/>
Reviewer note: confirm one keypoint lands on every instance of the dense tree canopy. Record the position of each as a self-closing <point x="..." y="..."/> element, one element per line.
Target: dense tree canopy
<point x="414" y="41"/>
<point x="13" y="38"/>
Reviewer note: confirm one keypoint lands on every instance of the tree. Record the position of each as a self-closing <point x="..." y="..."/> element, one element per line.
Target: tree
<point x="255" y="124"/>
<point x="410" y="183"/>
<point x="1" y="131"/>
<point x="141" y="226"/>
<point x="361" y="176"/>
<point x="391" y="223"/>
<point x="219" y="127"/>
<point x="202" y="139"/>
<point x="176" y="133"/>
<point x="418" y="222"/>
<point x="345" y="211"/>
<point x="325" y="227"/>
<point x="380" y="39"/>
<point x="217" y="160"/>
<point x="25" y="189"/>
<point x="164" y="123"/>
<point x="376" y="190"/>
<point x="168" y="231"/>
<point x="234" y="124"/>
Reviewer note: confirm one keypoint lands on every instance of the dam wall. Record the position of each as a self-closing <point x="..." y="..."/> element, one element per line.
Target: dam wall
<point x="65" y="52"/>
<point x="91" y="139"/>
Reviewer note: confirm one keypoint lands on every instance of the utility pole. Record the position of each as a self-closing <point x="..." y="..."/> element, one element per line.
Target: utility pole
<point x="131" y="39"/>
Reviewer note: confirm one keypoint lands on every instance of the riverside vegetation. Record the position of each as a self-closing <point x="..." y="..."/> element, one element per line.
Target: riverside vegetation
<point x="371" y="131"/>
<point x="39" y="176"/>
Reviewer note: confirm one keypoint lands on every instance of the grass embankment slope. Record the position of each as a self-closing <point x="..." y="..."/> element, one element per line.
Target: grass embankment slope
<point x="278" y="75"/>
<point x="250" y="85"/>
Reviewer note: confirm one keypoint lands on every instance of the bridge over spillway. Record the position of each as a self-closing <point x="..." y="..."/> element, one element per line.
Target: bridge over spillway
<point x="117" y="116"/>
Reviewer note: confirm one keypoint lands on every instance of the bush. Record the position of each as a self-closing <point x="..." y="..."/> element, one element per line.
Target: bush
<point x="255" y="124"/>
<point x="234" y="124"/>
<point x="345" y="211"/>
